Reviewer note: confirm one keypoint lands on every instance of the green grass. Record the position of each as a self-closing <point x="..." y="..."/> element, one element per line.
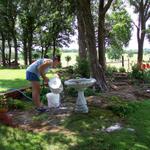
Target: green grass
<point x="87" y="134"/>
<point x="13" y="79"/>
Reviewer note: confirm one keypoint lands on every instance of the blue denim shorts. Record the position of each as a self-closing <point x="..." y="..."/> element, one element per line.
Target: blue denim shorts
<point x="31" y="76"/>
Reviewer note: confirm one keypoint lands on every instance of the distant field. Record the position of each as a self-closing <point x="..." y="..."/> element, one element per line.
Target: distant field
<point x="128" y="61"/>
<point x="73" y="56"/>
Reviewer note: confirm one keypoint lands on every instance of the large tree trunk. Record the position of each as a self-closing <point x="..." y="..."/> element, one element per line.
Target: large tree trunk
<point x="97" y="71"/>
<point x="141" y="34"/>
<point x="101" y="31"/>
<point x="81" y="36"/>
<point x="101" y="41"/>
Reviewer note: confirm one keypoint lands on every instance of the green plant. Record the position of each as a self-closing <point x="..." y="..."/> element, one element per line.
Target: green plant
<point x="82" y="67"/>
<point x="71" y="91"/>
<point x="137" y="73"/>
<point x="89" y="92"/>
<point x="110" y="70"/>
<point x="68" y="58"/>
<point x="41" y="117"/>
<point x="16" y="104"/>
<point x="3" y="102"/>
<point x="122" y="108"/>
<point x="122" y="69"/>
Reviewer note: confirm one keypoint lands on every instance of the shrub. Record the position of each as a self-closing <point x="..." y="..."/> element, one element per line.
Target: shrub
<point x="89" y="92"/>
<point x="136" y="73"/>
<point x="71" y="91"/>
<point x="82" y="67"/>
<point x="122" y="69"/>
<point x="16" y="104"/>
<point x="110" y="70"/>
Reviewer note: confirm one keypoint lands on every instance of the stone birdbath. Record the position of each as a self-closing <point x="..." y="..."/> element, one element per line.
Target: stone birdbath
<point x="80" y="85"/>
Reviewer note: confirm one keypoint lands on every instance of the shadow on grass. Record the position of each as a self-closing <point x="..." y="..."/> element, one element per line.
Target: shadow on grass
<point x="87" y="133"/>
<point x="6" y="85"/>
<point x="16" y="139"/>
<point x="91" y="137"/>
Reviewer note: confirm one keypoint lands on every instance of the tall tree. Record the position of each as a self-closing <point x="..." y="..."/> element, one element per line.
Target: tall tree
<point x="30" y="13"/>
<point x="96" y="68"/>
<point x="118" y="26"/>
<point x="81" y="35"/>
<point x="142" y="8"/>
<point x="8" y="15"/>
<point x="103" y="8"/>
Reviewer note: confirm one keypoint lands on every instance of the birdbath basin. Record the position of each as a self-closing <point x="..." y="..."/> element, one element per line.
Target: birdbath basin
<point x="80" y="85"/>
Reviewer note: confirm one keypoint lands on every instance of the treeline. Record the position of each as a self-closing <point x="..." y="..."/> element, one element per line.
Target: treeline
<point x="26" y="25"/>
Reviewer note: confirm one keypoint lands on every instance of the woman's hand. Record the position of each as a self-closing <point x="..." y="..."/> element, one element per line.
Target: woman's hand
<point x="57" y="76"/>
<point x="46" y="80"/>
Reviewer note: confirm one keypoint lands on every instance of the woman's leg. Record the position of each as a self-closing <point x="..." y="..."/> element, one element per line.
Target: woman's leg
<point x="36" y="93"/>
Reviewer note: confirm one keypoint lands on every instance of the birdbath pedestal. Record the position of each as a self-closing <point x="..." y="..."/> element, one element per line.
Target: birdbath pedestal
<point x="80" y="85"/>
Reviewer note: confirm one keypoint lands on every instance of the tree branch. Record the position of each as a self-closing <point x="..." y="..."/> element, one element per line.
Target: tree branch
<point x="135" y="25"/>
<point x="107" y="6"/>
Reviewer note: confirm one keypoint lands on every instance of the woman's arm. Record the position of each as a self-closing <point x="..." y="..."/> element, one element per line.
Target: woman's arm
<point x="42" y="68"/>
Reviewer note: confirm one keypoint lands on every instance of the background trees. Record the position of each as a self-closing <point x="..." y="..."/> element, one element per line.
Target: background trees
<point x="142" y="8"/>
<point x="28" y="24"/>
<point x="103" y="26"/>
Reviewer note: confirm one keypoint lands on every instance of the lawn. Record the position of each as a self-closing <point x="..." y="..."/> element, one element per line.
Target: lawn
<point x="79" y="131"/>
<point x="84" y="133"/>
<point x="13" y="79"/>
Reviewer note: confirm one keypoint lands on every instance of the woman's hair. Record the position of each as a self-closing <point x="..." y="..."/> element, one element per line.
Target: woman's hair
<point x="46" y="56"/>
<point x="57" y="57"/>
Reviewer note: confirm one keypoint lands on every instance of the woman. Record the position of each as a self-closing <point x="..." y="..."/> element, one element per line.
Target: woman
<point x="36" y="70"/>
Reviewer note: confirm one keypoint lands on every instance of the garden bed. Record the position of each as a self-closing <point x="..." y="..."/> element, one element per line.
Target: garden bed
<point x="29" y="119"/>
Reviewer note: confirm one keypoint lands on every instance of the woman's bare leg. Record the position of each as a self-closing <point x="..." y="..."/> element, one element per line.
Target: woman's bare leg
<point x="36" y="93"/>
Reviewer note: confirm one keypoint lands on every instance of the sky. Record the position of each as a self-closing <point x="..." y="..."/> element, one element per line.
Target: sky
<point x="132" y="43"/>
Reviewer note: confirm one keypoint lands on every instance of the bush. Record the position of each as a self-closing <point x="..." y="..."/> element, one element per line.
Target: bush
<point x="146" y="76"/>
<point x="71" y="91"/>
<point x="110" y="70"/>
<point x="16" y="104"/>
<point x="89" y="92"/>
<point x="136" y="73"/>
<point x="122" y="69"/>
<point x="82" y="68"/>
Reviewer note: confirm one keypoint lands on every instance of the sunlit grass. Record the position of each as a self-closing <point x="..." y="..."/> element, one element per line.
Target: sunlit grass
<point x="14" y="78"/>
<point x="84" y="132"/>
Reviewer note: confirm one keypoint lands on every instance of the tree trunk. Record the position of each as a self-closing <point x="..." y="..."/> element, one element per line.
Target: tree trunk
<point x="101" y="31"/>
<point x="42" y="52"/>
<point x="97" y="71"/>
<point x="122" y="61"/>
<point x="46" y="50"/>
<point x="144" y="15"/>
<point x="3" y="49"/>
<point x="25" y="49"/>
<point x="81" y="36"/>
<point x="54" y="48"/>
<point x="101" y="40"/>
<point x="9" y="57"/>
<point x="15" y="45"/>
<point x="30" y="40"/>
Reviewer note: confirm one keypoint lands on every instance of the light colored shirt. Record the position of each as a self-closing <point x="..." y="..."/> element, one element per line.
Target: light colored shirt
<point x="35" y="65"/>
